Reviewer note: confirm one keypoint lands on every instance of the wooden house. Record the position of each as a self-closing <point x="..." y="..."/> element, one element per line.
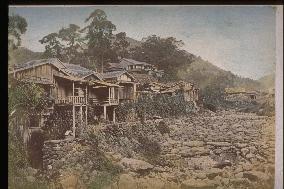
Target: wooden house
<point x="187" y="90"/>
<point x="70" y="85"/>
<point x="127" y="90"/>
<point x="240" y="94"/>
<point x="134" y="66"/>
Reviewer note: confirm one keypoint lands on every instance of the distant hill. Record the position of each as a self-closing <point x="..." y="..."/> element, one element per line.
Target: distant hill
<point x="267" y="82"/>
<point x="22" y="55"/>
<point x="204" y="73"/>
<point x="133" y="43"/>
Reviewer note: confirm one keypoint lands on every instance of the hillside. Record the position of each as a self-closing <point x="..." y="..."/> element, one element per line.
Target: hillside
<point x="204" y="73"/>
<point x="267" y="82"/>
<point x="22" y="55"/>
<point x="133" y="43"/>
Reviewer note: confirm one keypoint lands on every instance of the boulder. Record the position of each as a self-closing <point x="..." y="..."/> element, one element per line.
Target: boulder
<point x="255" y="176"/>
<point x="221" y="144"/>
<point x="136" y="165"/>
<point x="212" y="173"/>
<point x="194" y="151"/>
<point x="222" y="164"/>
<point x="194" y="143"/>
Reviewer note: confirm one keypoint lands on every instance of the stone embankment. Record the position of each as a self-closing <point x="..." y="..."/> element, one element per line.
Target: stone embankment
<point x="206" y="150"/>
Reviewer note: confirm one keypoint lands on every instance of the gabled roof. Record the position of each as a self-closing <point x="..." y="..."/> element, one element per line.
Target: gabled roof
<point x="79" y="71"/>
<point x="125" y="62"/>
<point x="34" y="63"/>
<point x="69" y="69"/>
<point x="133" y="62"/>
<point x="144" y="78"/>
<point x="115" y="74"/>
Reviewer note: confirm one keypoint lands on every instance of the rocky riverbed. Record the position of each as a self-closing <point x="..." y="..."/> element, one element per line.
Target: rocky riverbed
<point x="205" y="150"/>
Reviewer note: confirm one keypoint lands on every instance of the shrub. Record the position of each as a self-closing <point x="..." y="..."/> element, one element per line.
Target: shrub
<point x="58" y="123"/>
<point x="210" y="107"/>
<point x="148" y="147"/>
<point x="163" y="128"/>
<point x="161" y="105"/>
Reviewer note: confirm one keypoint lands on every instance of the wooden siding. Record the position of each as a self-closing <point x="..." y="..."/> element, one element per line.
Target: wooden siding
<point x="124" y="77"/>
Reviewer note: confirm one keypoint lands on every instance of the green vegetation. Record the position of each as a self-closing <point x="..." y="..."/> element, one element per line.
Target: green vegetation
<point x="165" y="53"/>
<point x="161" y="105"/>
<point x="16" y="27"/>
<point x="58" y="123"/>
<point x="24" y="100"/>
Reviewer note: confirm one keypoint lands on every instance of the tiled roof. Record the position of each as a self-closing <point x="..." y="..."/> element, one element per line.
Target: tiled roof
<point x="34" y="63"/>
<point x="123" y="63"/>
<point x="79" y="71"/>
<point x="70" y="69"/>
<point x="144" y="78"/>
<point x="114" y="74"/>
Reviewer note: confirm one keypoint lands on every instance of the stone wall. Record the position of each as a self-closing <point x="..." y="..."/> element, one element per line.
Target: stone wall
<point x="70" y="155"/>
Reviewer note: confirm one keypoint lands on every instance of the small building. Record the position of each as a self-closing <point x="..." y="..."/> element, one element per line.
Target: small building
<point x="187" y="90"/>
<point x="134" y="66"/>
<point x="127" y="90"/>
<point x="240" y="94"/>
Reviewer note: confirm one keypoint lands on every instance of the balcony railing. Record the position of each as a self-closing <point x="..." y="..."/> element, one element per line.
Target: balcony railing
<point x="77" y="100"/>
<point x="112" y="101"/>
<point x="95" y="101"/>
<point x="71" y="100"/>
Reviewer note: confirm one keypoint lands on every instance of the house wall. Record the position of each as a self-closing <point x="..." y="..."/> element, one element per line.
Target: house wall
<point x="127" y="92"/>
<point x="45" y="71"/>
<point x="124" y="77"/>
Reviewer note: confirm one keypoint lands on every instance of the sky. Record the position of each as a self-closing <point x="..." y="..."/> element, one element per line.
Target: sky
<point x="240" y="39"/>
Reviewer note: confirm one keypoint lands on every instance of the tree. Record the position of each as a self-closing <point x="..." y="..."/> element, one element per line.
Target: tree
<point x="120" y="45"/>
<point x="165" y="53"/>
<point x="98" y="36"/>
<point x="72" y="40"/>
<point x="17" y="26"/>
<point x="53" y="47"/>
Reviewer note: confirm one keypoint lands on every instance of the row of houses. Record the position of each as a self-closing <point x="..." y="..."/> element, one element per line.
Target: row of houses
<point x="81" y="89"/>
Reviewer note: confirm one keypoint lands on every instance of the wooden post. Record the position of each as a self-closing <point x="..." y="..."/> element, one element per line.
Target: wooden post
<point x="81" y="113"/>
<point x="134" y="91"/>
<point x="73" y="89"/>
<point x="109" y="95"/>
<point x="118" y="89"/>
<point x="74" y="127"/>
<point x="86" y="114"/>
<point x="74" y="113"/>
<point x="105" y="112"/>
<point x="113" y="115"/>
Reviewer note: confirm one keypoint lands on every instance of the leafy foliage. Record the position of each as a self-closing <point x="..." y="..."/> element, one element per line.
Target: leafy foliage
<point x="149" y="147"/>
<point x="165" y="53"/>
<point x="120" y="45"/>
<point x="163" y="128"/>
<point x="24" y="100"/>
<point x="17" y="26"/>
<point x="58" y="123"/>
<point x="160" y="105"/>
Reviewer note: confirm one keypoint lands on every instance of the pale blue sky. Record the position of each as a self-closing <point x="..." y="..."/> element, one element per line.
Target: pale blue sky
<point x="240" y="39"/>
